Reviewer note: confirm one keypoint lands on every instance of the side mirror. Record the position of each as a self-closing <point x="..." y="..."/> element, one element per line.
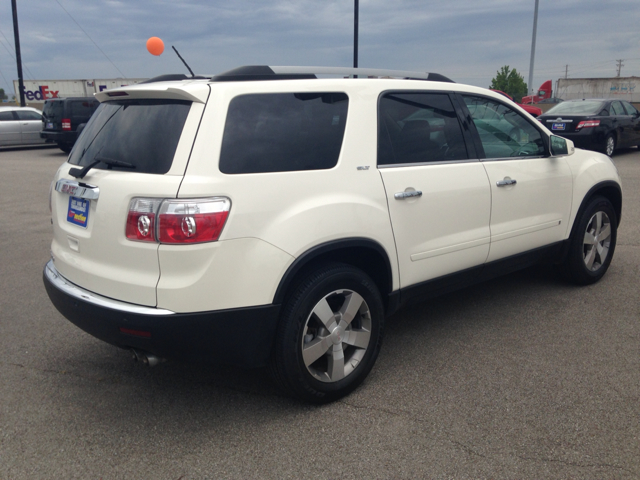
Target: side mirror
<point x="561" y="146"/>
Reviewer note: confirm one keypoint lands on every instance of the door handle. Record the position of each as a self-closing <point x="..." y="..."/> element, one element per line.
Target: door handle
<point x="507" y="181"/>
<point x="403" y="195"/>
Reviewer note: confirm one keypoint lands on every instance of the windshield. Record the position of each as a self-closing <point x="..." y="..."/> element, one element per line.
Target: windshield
<point x="584" y="107"/>
<point x="142" y="135"/>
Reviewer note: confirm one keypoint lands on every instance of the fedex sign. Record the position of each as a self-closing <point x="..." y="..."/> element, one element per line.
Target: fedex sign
<point x="43" y="93"/>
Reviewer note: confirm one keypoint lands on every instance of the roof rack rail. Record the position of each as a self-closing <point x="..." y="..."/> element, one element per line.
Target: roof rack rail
<point x="264" y="72"/>
<point x="173" y="77"/>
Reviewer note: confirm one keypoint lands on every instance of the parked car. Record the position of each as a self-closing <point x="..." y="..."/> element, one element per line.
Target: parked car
<point x="20" y="126"/>
<point x="277" y="223"/>
<point x="595" y="124"/>
<point x="64" y="118"/>
<point x="551" y="100"/>
<point x="530" y="109"/>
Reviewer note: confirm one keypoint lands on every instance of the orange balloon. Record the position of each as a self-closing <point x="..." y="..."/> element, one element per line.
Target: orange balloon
<point x="155" y="46"/>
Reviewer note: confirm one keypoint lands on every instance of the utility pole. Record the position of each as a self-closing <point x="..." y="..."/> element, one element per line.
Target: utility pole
<point x="620" y="65"/>
<point x="16" y="36"/>
<point x="355" y="33"/>
<point x="533" y="48"/>
<point x="566" y="71"/>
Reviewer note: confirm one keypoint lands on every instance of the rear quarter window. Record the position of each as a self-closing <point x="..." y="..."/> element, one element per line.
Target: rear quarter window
<point x="282" y="132"/>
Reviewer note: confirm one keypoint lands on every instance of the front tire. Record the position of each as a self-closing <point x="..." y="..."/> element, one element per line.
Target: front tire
<point x="329" y="335"/>
<point x="609" y="144"/>
<point x="592" y="243"/>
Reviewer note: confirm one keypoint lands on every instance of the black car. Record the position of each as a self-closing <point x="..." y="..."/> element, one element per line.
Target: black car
<point x="595" y="124"/>
<point x="61" y="118"/>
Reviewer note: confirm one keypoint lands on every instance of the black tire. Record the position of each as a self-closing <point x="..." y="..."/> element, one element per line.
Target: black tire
<point x="65" y="147"/>
<point x="328" y="377"/>
<point x="610" y="144"/>
<point x="587" y="262"/>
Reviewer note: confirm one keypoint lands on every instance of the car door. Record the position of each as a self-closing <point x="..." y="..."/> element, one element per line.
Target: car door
<point x="622" y="123"/>
<point x="531" y="191"/>
<point x="437" y="191"/>
<point x="634" y="129"/>
<point x="30" y="127"/>
<point x="9" y="128"/>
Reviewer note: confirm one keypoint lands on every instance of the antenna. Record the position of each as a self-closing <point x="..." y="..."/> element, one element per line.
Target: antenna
<point x="185" y="63"/>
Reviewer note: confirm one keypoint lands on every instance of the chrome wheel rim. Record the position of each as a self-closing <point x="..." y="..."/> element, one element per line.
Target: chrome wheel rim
<point x="610" y="145"/>
<point x="597" y="240"/>
<point x="336" y="335"/>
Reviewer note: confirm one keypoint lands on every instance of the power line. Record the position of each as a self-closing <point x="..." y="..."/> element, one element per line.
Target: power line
<point x="74" y="20"/>
<point x="12" y="56"/>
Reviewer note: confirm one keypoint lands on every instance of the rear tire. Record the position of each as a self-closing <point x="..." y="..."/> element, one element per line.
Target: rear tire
<point x="329" y="335"/>
<point x="593" y="243"/>
<point x="65" y="147"/>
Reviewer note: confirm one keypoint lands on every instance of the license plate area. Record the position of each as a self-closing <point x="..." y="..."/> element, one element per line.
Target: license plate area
<point x="49" y="125"/>
<point x="78" y="211"/>
<point x="559" y="126"/>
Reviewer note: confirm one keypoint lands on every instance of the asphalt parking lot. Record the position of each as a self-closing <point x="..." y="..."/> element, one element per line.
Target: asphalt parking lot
<point x="522" y="377"/>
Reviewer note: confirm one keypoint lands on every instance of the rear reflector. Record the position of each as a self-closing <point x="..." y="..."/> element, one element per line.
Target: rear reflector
<point x="137" y="333"/>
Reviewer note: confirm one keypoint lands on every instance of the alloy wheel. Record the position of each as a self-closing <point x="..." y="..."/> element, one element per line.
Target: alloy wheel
<point x="597" y="240"/>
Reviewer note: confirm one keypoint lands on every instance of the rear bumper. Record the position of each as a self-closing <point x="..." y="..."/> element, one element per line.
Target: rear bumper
<point x="241" y="337"/>
<point x="59" y="137"/>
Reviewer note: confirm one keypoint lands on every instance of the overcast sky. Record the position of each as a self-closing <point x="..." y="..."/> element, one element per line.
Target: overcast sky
<point x="466" y="40"/>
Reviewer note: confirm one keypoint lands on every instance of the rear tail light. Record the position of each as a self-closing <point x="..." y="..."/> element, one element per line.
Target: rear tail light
<point x="66" y="124"/>
<point x="587" y="124"/>
<point x="177" y="221"/>
<point x="141" y="220"/>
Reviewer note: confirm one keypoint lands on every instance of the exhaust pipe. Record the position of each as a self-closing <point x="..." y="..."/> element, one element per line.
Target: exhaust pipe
<point x="146" y="358"/>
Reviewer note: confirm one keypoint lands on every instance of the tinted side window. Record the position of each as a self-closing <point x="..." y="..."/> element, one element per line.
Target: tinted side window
<point x="142" y="133"/>
<point x="279" y="132"/>
<point x="27" y="115"/>
<point x="418" y="128"/>
<point x="616" y="109"/>
<point x="503" y="131"/>
<point x="631" y="110"/>
<point x="6" y="117"/>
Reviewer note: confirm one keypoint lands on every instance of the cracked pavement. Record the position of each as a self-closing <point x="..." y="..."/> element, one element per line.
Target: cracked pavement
<point x="522" y="377"/>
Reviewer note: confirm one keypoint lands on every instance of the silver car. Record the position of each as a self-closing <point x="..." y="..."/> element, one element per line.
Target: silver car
<point x="20" y="126"/>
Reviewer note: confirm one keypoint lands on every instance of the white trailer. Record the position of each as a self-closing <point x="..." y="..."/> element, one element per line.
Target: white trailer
<point x="41" y="90"/>
<point x="623" y="88"/>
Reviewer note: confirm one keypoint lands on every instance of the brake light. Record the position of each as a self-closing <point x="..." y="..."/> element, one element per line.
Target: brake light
<point x="192" y="220"/>
<point x="141" y="224"/>
<point x="66" y="124"/>
<point x="182" y="221"/>
<point x="587" y="124"/>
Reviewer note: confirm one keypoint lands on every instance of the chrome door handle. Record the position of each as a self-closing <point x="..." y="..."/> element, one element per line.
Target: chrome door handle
<point x="403" y="195"/>
<point x="506" y="181"/>
<point x="77" y="189"/>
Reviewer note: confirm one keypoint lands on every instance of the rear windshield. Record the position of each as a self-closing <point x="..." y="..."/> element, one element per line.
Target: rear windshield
<point x="52" y="110"/>
<point x="280" y="132"/>
<point x="142" y="134"/>
<point x="586" y="107"/>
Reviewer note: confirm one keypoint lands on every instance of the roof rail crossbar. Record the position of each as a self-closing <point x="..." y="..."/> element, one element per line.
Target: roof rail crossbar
<point x="264" y="72"/>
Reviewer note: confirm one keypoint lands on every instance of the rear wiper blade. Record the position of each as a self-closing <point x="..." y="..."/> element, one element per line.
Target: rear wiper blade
<point x="81" y="172"/>
<point x="114" y="163"/>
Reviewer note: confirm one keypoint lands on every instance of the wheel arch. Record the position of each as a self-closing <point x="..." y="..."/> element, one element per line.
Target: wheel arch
<point x="608" y="189"/>
<point x="363" y="253"/>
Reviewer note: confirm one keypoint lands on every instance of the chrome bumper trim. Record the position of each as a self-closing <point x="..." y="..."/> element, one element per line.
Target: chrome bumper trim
<point x="75" y="291"/>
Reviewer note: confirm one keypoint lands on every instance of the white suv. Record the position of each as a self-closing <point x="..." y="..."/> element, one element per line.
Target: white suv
<point x="266" y="216"/>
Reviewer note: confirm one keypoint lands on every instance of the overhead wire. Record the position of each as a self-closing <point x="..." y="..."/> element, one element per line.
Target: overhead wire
<point x="83" y="30"/>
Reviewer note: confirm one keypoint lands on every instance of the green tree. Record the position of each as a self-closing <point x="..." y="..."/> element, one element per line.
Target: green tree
<point x="2" y="94"/>
<point x="510" y="81"/>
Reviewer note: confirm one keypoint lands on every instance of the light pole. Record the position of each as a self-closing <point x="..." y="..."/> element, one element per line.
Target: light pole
<point x="16" y="36"/>
<point x="355" y="34"/>
<point x="533" y="48"/>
